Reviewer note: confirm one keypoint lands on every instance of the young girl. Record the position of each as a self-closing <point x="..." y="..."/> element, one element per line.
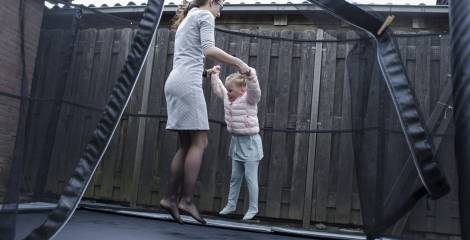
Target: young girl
<point x="241" y="95"/>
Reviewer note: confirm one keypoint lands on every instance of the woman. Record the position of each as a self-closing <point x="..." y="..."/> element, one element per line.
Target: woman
<point x="186" y="106"/>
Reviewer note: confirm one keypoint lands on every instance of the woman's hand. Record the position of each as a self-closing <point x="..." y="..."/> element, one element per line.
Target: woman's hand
<point x="251" y="73"/>
<point x="243" y="68"/>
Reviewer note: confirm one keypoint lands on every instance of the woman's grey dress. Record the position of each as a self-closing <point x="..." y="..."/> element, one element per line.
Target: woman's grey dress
<point x="186" y="105"/>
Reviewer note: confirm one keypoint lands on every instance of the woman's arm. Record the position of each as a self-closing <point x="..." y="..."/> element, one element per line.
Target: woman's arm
<point x="221" y="56"/>
<point x="207" y="25"/>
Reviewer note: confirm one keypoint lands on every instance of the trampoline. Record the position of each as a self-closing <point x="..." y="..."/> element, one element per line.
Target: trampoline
<point x="97" y="225"/>
<point x="104" y="221"/>
<point x="380" y="122"/>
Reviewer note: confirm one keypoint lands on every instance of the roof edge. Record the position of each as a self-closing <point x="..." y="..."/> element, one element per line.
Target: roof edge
<point x="287" y="8"/>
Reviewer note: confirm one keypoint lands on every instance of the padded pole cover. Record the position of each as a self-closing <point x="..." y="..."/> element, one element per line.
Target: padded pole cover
<point x="460" y="58"/>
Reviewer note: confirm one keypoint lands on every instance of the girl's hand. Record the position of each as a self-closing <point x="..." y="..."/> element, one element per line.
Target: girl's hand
<point x="214" y="71"/>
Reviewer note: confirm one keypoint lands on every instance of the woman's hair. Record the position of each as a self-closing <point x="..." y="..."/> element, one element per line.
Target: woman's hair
<point x="238" y="79"/>
<point x="183" y="10"/>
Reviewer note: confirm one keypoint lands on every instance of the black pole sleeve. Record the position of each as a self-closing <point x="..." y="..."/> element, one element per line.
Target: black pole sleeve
<point x="460" y="58"/>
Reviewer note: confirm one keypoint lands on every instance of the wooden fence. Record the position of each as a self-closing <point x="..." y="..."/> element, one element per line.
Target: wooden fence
<point x="303" y="177"/>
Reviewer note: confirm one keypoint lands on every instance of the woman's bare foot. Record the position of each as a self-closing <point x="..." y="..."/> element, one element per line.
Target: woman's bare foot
<point x="171" y="207"/>
<point x="190" y="208"/>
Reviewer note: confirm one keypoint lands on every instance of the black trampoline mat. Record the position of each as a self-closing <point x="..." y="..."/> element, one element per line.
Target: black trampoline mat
<point x="96" y="225"/>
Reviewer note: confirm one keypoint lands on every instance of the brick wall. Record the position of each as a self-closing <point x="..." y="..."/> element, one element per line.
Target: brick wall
<point x="10" y="67"/>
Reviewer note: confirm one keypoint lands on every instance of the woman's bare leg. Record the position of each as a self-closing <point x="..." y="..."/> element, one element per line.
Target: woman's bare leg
<point x="169" y="202"/>
<point x="192" y="165"/>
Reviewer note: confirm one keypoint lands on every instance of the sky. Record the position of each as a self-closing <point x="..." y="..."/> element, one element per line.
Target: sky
<point x="124" y="2"/>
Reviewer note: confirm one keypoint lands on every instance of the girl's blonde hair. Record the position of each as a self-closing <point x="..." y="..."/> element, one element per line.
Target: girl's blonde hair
<point x="183" y="10"/>
<point x="236" y="78"/>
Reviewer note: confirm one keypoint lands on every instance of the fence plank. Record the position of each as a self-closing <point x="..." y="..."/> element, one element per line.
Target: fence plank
<point x="39" y="75"/>
<point x="169" y="143"/>
<point x="224" y="166"/>
<point x="79" y="92"/>
<point x="306" y="88"/>
<point x="47" y="81"/>
<point x="130" y="162"/>
<point x="281" y="105"/>
<point x="314" y="118"/>
<point x="62" y="139"/>
<point x="423" y="74"/>
<point x="444" y="221"/>
<point x="346" y="153"/>
<point x="169" y="140"/>
<point x="100" y="75"/>
<point x="142" y="98"/>
<point x="46" y="117"/>
<point x="121" y="46"/>
<point x="325" y="121"/>
<point x="116" y="46"/>
<point x="263" y="63"/>
<point x="243" y="49"/>
<point x="154" y="102"/>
